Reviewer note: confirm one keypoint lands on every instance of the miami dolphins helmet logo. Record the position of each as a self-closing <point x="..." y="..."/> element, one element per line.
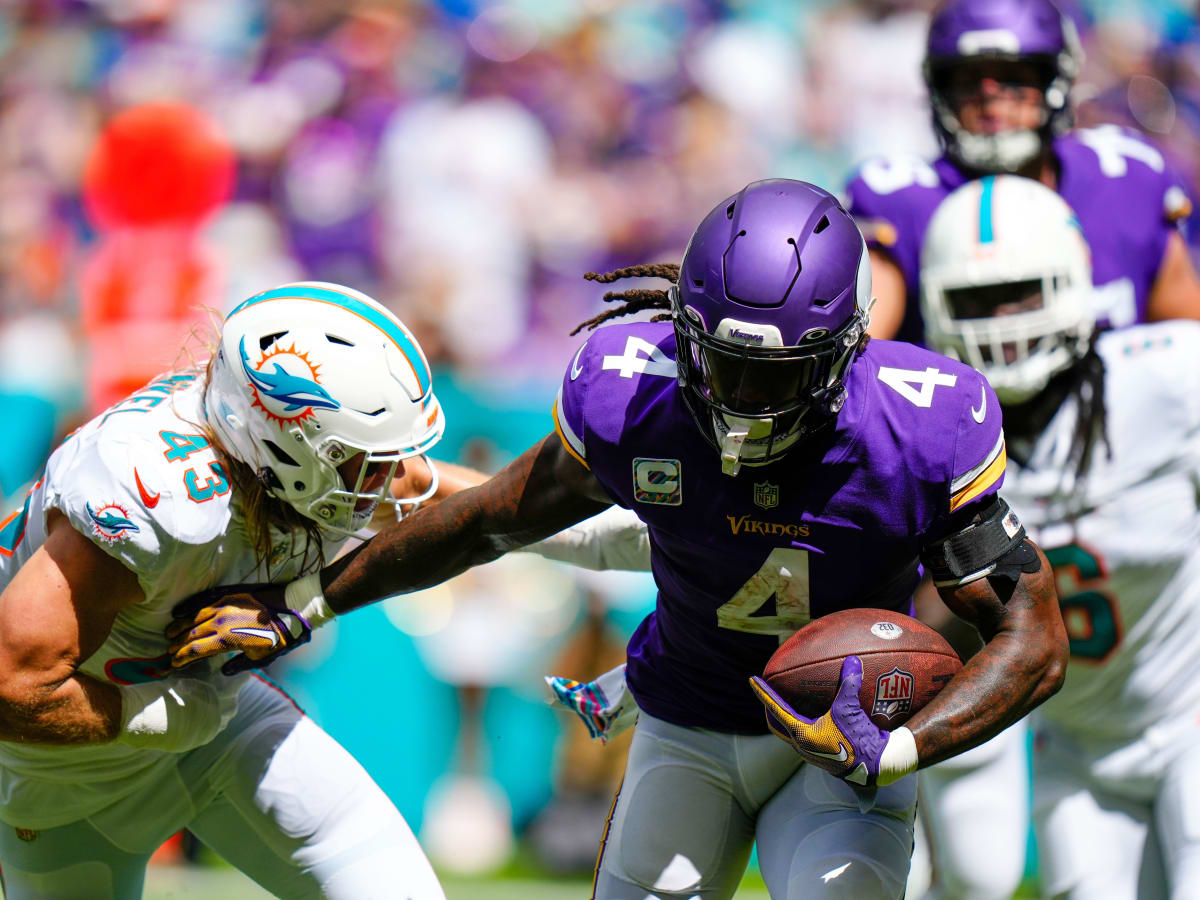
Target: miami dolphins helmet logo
<point x="111" y="522"/>
<point x="281" y="394"/>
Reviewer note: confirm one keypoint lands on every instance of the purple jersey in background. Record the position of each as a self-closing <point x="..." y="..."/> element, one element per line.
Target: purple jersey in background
<point x="1120" y="187"/>
<point x="742" y="561"/>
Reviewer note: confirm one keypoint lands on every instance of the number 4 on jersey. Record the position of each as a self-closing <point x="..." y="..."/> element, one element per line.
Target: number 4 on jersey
<point x="655" y="362"/>
<point x="906" y="382"/>
<point x="181" y="446"/>
<point x="784" y="576"/>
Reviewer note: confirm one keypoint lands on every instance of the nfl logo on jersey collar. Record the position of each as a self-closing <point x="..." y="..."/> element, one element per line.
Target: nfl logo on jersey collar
<point x="766" y="495"/>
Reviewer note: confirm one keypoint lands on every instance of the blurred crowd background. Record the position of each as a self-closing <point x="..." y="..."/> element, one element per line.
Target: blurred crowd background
<point x="465" y="162"/>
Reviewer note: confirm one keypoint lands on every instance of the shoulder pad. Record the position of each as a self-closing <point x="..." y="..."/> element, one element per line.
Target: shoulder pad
<point x="116" y="488"/>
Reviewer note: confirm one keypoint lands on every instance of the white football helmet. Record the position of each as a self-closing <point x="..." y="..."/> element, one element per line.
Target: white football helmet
<point x="1006" y="283"/>
<point x="310" y="377"/>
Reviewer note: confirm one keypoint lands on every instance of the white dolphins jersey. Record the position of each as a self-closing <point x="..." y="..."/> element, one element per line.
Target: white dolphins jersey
<point x="142" y="482"/>
<point x="1124" y="540"/>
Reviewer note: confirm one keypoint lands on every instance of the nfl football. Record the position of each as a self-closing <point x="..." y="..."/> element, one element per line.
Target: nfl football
<point x="904" y="662"/>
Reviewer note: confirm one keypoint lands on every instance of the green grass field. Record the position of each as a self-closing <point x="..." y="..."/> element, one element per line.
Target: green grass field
<point x="206" y="883"/>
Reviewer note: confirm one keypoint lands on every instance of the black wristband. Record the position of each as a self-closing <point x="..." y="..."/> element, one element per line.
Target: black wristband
<point x="994" y="544"/>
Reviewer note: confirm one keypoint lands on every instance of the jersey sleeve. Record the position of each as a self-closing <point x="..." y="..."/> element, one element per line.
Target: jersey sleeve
<point x="977" y="470"/>
<point x="872" y="214"/>
<point x="890" y="199"/>
<point x="569" y="406"/>
<point x="113" y="491"/>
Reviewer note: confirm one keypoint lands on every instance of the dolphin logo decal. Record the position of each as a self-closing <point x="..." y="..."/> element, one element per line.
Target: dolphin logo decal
<point x="110" y="521"/>
<point x="295" y="391"/>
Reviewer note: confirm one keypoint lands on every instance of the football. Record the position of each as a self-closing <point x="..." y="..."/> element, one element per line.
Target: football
<point x="905" y="664"/>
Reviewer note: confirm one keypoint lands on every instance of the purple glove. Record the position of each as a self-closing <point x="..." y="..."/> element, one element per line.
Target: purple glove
<point x="844" y="741"/>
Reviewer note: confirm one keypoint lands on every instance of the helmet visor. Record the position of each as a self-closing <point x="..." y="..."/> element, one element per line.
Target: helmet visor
<point x="987" y="300"/>
<point x="752" y="386"/>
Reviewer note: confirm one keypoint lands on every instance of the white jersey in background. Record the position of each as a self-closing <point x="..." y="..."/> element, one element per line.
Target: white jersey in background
<point x="1124" y="540"/>
<point x="142" y="482"/>
<point x="1117" y="750"/>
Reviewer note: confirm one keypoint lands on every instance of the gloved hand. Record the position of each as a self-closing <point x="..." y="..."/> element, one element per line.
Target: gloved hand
<point x="844" y="741"/>
<point x="605" y="706"/>
<point x="251" y="618"/>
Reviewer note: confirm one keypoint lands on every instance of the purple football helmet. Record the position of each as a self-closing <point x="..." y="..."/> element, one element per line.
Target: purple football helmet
<point x="770" y="308"/>
<point x="1034" y="32"/>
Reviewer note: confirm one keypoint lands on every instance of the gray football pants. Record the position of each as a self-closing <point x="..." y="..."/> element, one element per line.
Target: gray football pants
<point x="694" y="802"/>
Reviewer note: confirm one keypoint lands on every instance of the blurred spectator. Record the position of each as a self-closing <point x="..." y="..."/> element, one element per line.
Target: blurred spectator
<point x="864" y="78"/>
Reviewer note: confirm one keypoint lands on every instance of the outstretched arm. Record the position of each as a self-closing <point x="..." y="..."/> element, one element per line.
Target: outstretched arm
<point x="541" y="492"/>
<point x="538" y="494"/>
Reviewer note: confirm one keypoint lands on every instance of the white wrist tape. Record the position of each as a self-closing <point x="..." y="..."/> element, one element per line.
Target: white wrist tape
<point x="304" y="595"/>
<point x="899" y="757"/>
<point x="175" y="715"/>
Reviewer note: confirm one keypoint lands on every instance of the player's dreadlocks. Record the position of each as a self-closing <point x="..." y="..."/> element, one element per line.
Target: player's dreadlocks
<point x="635" y="299"/>
<point x="638" y="299"/>
<point x="1084" y="381"/>
<point x="1093" y="415"/>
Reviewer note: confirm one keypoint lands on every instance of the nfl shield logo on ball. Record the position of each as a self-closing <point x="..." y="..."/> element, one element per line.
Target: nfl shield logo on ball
<point x="893" y="693"/>
<point x="766" y="495"/>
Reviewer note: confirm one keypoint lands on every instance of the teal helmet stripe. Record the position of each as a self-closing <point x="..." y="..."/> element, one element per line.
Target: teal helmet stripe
<point x="391" y="330"/>
<point x="986" y="233"/>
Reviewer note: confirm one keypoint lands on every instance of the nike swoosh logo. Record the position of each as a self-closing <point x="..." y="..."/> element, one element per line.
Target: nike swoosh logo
<point x="841" y="756"/>
<point x="979" y="414"/>
<point x="150" y="500"/>
<point x="265" y="633"/>
<point x="576" y="368"/>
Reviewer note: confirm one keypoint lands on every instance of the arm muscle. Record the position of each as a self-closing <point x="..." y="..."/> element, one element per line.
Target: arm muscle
<point x="891" y="295"/>
<point x="1176" y="291"/>
<point x="538" y="494"/>
<point x="54" y="614"/>
<point x="1021" y="664"/>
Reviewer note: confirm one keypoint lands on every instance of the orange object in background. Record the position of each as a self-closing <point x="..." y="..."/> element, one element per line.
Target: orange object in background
<point x="155" y="175"/>
<point x="156" y="164"/>
<point x="170" y="852"/>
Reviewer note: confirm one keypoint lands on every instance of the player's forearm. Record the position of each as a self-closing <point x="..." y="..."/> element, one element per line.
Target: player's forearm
<point x="524" y="503"/>
<point x="77" y="710"/>
<point x="424" y="549"/>
<point x="1022" y="665"/>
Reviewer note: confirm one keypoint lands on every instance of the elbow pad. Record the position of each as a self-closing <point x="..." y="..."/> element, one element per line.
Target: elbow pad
<point x="176" y="714"/>
<point x="993" y="544"/>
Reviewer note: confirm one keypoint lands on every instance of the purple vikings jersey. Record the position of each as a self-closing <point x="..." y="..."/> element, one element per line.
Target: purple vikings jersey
<point x="742" y="562"/>
<point x="1126" y="198"/>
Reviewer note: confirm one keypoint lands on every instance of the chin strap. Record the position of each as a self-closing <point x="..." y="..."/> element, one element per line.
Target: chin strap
<point x="731" y="448"/>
